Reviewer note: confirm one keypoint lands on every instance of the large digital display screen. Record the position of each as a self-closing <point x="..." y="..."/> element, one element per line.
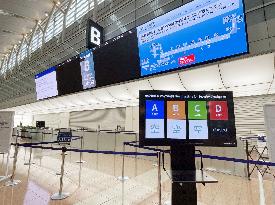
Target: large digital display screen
<point x="87" y="69"/>
<point x="201" y="118"/>
<point x="69" y="78"/>
<point x="117" y="60"/>
<point x="197" y="32"/>
<point x="46" y="84"/>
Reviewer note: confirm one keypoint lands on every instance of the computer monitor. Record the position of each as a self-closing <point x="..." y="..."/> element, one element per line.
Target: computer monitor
<point x="201" y="118"/>
<point x="40" y="124"/>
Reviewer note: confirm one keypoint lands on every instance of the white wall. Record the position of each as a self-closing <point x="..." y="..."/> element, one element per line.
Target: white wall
<point x="132" y="119"/>
<point x="56" y="120"/>
<point x="25" y="119"/>
<point x="105" y="118"/>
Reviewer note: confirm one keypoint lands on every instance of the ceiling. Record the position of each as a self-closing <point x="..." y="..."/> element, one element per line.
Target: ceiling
<point x="18" y="17"/>
<point x="245" y="77"/>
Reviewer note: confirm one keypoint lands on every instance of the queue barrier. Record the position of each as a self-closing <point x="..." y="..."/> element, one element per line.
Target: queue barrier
<point x="156" y="153"/>
<point x="228" y="159"/>
<point x="36" y="145"/>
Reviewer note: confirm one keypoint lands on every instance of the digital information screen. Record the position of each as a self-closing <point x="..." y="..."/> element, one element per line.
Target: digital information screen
<point x="194" y="33"/>
<point x="68" y="77"/>
<point x="87" y="69"/>
<point x="200" y="118"/>
<point x="46" y="84"/>
<point x="117" y="60"/>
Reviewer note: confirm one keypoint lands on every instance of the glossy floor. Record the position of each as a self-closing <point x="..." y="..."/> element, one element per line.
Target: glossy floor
<point x="96" y="182"/>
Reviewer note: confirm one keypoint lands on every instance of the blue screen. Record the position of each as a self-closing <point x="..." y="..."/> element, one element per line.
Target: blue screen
<point x="197" y="32"/>
<point x="87" y="69"/>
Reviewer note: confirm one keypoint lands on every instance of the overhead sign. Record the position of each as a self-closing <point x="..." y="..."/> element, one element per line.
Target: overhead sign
<point x="194" y="33"/>
<point x="6" y="127"/>
<point x="94" y="34"/>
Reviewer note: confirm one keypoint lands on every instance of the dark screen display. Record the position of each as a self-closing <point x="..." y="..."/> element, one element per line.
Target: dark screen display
<point x="40" y="124"/>
<point x="117" y="60"/>
<point x="203" y="118"/>
<point x="69" y="78"/>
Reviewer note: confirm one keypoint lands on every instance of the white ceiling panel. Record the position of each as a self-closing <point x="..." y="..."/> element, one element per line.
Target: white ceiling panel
<point x="120" y="92"/>
<point x="103" y="95"/>
<point x="167" y="82"/>
<point x="249" y="90"/>
<point x="207" y="78"/>
<point x="248" y="71"/>
<point x="135" y="87"/>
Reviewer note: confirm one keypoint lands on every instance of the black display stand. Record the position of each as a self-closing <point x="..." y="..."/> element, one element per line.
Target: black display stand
<point x="183" y="160"/>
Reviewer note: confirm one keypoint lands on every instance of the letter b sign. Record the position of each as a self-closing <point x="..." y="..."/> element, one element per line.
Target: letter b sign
<point x="94" y="34"/>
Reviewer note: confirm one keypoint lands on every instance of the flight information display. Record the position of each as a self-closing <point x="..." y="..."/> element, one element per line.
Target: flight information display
<point x="117" y="60"/>
<point x="87" y="69"/>
<point x="197" y="32"/>
<point x="46" y="84"/>
<point x="200" y="118"/>
<point x="68" y="77"/>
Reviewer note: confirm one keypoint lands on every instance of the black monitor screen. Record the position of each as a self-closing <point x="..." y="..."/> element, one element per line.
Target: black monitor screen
<point x="40" y="124"/>
<point x="117" y="60"/>
<point x="69" y="78"/>
<point x="201" y="118"/>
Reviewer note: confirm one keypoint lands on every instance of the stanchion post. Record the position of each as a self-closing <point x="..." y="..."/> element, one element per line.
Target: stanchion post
<point x="81" y="145"/>
<point x="136" y="150"/>
<point x="61" y="195"/>
<point x="159" y="177"/>
<point x="7" y="166"/>
<point x="123" y="177"/>
<point x="16" y="139"/>
<point x="30" y="157"/>
<point x="13" y="182"/>
<point x="2" y="177"/>
<point x="97" y="145"/>
<point x="247" y="158"/>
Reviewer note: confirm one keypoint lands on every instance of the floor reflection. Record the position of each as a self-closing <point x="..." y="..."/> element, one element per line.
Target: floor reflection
<point x="36" y="195"/>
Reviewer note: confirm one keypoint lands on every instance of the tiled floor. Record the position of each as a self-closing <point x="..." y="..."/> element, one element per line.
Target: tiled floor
<point x="96" y="182"/>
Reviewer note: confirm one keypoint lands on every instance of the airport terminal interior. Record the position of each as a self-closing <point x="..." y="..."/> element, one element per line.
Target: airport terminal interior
<point x="137" y="102"/>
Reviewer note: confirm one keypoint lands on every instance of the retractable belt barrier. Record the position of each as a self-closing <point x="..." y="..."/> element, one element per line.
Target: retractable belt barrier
<point x="228" y="159"/>
<point x="38" y="145"/>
